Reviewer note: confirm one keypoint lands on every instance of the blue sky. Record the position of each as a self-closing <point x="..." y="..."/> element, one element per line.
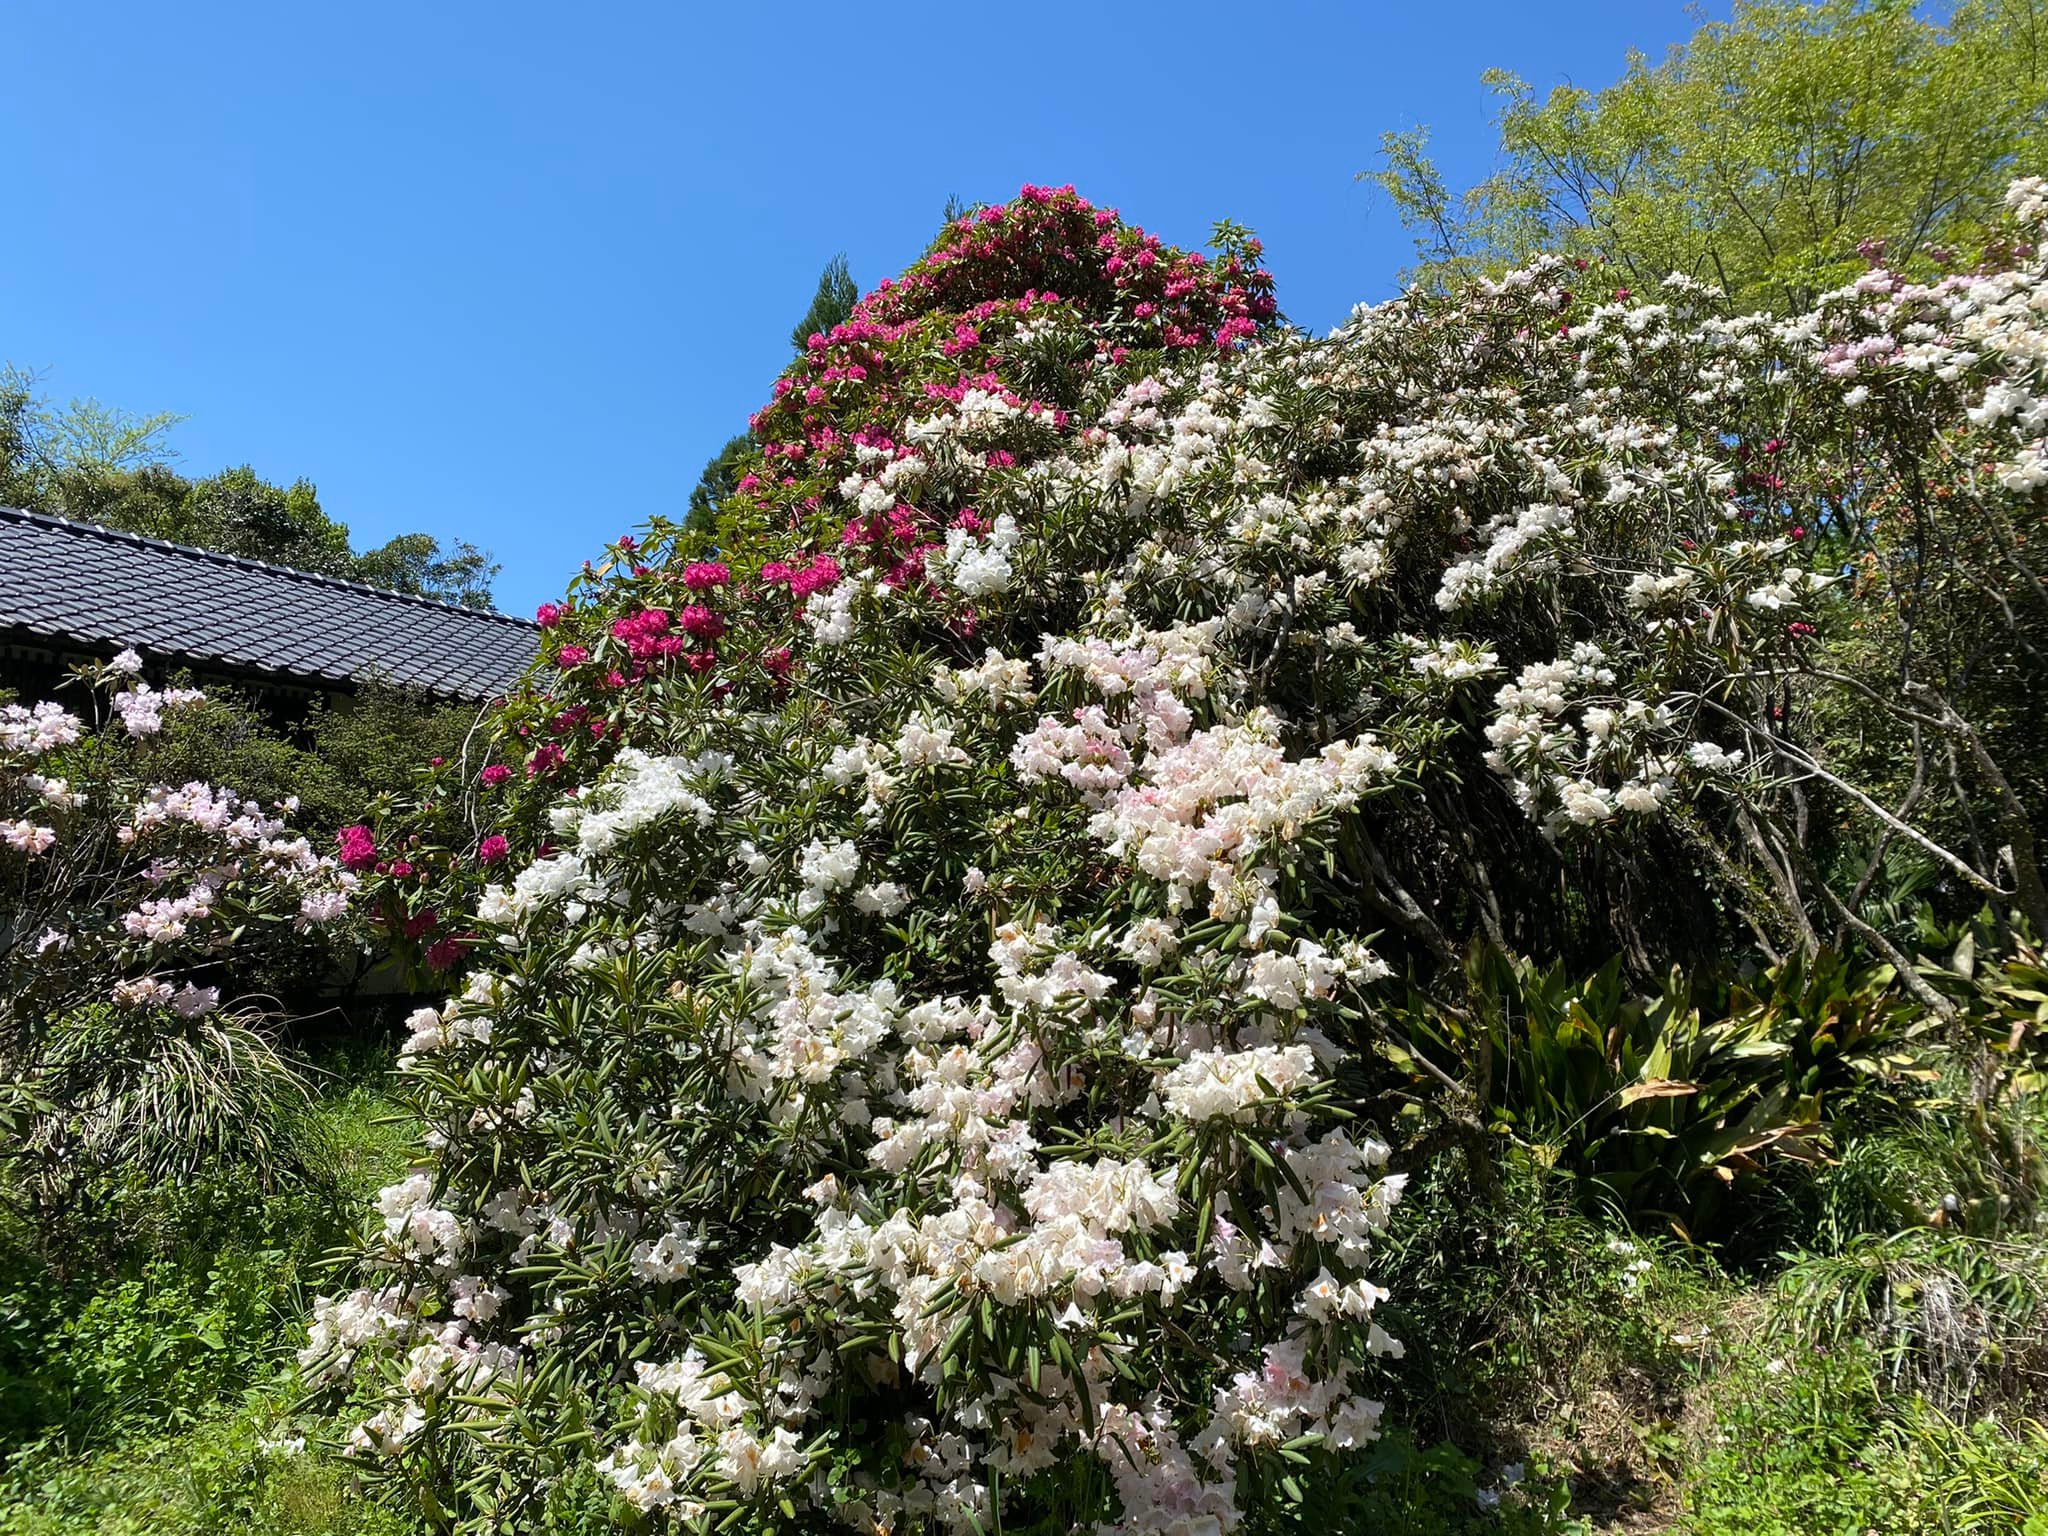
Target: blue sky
<point x="510" y="273"/>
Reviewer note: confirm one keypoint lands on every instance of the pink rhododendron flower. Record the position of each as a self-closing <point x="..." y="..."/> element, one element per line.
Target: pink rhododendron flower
<point x="358" y="847"/>
<point x="701" y="622"/>
<point x="703" y="575"/>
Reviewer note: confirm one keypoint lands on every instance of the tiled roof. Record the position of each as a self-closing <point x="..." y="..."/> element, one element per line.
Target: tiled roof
<point x="100" y="589"/>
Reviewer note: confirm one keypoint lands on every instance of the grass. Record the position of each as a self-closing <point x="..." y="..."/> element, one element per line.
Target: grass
<point x="145" y="1348"/>
<point x="223" y="1475"/>
<point x="1818" y="1444"/>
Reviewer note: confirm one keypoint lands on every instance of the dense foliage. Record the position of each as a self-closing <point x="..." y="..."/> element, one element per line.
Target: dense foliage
<point x="1763" y="155"/>
<point x="918" y="1054"/>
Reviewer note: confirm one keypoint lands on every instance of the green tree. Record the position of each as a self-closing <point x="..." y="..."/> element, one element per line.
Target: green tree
<point x="81" y="451"/>
<point x="955" y="210"/>
<point x="417" y="563"/>
<point x="239" y="513"/>
<point x="720" y="478"/>
<point x="150" y="501"/>
<point x="98" y="464"/>
<point x="832" y="303"/>
<point x="1758" y="156"/>
<point x="16" y="399"/>
<point x="836" y="295"/>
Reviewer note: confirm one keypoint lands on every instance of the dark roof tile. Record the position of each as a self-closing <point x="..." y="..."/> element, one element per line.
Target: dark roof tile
<point x="97" y="586"/>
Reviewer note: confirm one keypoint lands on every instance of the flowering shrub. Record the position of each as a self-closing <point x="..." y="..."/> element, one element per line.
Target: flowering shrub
<point x="912" y="1005"/>
<point x="137" y="908"/>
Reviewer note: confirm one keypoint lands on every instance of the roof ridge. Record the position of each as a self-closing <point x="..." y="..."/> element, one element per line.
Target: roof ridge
<point x="242" y="562"/>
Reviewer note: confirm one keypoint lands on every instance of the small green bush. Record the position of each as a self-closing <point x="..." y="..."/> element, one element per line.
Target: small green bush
<point x="145" y="1345"/>
<point x="227" y="1476"/>
<point x="1810" y="1445"/>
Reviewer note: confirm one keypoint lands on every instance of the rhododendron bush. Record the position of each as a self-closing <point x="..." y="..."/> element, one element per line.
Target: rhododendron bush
<point x="139" y="912"/>
<point x="911" y="1043"/>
